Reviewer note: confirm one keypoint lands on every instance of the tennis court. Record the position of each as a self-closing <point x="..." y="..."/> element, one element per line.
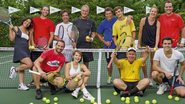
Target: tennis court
<point x="97" y="85"/>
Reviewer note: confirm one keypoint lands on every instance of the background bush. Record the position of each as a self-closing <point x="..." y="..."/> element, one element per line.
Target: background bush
<point x="137" y="5"/>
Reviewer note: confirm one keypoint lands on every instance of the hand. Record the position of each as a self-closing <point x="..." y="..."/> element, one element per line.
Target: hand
<point x="168" y="75"/>
<point x="180" y="80"/>
<point x="11" y="26"/>
<point x="43" y="74"/>
<point x="181" y="45"/>
<point x="107" y="43"/>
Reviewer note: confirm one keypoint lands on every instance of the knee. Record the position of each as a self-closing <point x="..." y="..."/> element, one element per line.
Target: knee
<point x="30" y="65"/>
<point x="154" y="74"/>
<point x="115" y="82"/>
<point x="181" y="93"/>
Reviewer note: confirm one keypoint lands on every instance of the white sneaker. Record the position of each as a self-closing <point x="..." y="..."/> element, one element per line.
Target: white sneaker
<point x="151" y="84"/>
<point x="109" y="80"/>
<point x="162" y="89"/>
<point x="88" y="96"/>
<point x="23" y="87"/>
<point x="75" y="94"/>
<point x="12" y="73"/>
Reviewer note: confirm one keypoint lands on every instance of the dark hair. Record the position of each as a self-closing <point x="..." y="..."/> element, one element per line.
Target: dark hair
<point x="64" y="11"/>
<point x="62" y="41"/>
<point x="31" y="24"/>
<point x="47" y="7"/>
<point x="109" y="9"/>
<point x="168" y="1"/>
<point x="118" y="7"/>
<point x="167" y="38"/>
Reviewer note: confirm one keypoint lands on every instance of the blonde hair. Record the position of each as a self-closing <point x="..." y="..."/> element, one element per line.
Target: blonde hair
<point x="154" y="6"/>
<point x="85" y="6"/>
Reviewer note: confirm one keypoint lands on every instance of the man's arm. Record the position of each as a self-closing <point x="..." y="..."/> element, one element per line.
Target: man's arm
<point x="183" y="37"/>
<point x="37" y="64"/>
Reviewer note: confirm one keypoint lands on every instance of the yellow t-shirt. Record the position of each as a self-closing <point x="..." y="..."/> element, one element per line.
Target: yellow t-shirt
<point x="130" y="72"/>
<point x="119" y="28"/>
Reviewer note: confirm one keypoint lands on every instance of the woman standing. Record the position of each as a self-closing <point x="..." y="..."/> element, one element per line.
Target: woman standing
<point x="21" y="35"/>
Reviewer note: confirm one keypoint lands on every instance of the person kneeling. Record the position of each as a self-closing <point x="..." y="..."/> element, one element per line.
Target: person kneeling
<point x="129" y="82"/>
<point x="77" y="75"/>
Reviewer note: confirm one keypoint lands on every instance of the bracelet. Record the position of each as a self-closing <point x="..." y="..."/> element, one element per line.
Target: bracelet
<point x="182" y="40"/>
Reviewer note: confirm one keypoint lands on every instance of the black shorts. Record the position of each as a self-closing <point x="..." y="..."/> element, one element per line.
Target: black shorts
<point x="169" y="81"/>
<point x="130" y="85"/>
<point x="121" y="55"/>
<point x="87" y="56"/>
<point x="108" y="56"/>
<point x="35" y="55"/>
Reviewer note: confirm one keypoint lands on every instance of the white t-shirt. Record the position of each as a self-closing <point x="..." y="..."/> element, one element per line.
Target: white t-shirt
<point x="63" y="34"/>
<point x="168" y="64"/>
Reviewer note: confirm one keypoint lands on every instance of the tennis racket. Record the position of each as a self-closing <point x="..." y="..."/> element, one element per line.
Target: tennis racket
<point x="42" y="42"/>
<point x="73" y="33"/>
<point x="174" y="78"/>
<point x="52" y="77"/>
<point x="120" y="42"/>
<point x="5" y="17"/>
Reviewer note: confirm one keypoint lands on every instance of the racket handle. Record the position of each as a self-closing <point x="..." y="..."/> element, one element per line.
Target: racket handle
<point x="171" y="90"/>
<point x="34" y="72"/>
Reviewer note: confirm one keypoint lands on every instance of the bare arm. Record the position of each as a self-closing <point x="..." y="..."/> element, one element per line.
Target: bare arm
<point x="145" y="54"/>
<point x="142" y="22"/>
<point x="182" y="37"/>
<point x="85" y="70"/>
<point x="37" y="64"/>
<point x="67" y="70"/>
<point x="50" y="39"/>
<point x="12" y="33"/>
<point x="157" y="34"/>
<point x="100" y="37"/>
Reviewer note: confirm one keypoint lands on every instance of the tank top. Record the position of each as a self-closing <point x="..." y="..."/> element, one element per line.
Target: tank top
<point x="73" y="70"/>
<point x="149" y="34"/>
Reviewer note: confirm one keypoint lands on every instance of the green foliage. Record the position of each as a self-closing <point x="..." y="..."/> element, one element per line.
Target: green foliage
<point x="137" y="5"/>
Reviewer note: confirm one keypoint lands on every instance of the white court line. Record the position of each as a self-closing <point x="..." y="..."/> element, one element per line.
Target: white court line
<point x="5" y="62"/>
<point x="99" y="96"/>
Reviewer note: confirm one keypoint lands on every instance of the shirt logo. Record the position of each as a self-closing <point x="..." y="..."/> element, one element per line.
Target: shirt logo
<point x="53" y="63"/>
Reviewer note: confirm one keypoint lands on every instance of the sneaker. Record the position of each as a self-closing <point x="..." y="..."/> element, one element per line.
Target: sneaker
<point x="109" y="80"/>
<point x="139" y="93"/>
<point x="88" y="96"/>
<point x="162" y="89"/>
<point x="31" y="84"/>
<point x="52" y="89"/>
<point x="12" y="73"/>
<point x="151" y="84"/>
<point x="38" y="95"/>
<point x="124" y="94"/>
<point x="75" y="94"/>
<point x="23" y="87"/>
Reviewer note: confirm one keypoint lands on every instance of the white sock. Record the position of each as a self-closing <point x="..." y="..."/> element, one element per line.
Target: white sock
<point x="84" y="90"/>
<point x="77" y="89"/>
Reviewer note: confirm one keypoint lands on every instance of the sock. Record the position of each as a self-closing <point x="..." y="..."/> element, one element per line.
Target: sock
<point x="84" y="90"/>
<point x="134" y="90"/>
<point x="77" y="89"/>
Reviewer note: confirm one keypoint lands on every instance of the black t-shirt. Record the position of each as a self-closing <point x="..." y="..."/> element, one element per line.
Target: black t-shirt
<point x="85" y="27"/>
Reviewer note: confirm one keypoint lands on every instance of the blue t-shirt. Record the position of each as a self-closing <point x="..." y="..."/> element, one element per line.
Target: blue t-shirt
<point x="105" y="28"/>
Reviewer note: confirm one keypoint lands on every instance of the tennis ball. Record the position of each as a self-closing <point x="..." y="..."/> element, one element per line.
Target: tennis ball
<point x="115" y="93"/>
<point x="136" y="97"/>
<point x="155" y="49"/>
<point x="136" y="100"/>
<point x="55" y="99"/>
<point x="127" y="101"/>
<point x="92" y="101"/>
<point x="31" y="103"/>
<point x="147" y="102"/>
<point x="127" y="98"/>
<point x="76" y="79"/>
<point x="31" y="47"/>
<point x="87" y="38"/>
<point x="55" y="103"/>
<point x="177" y="98"/>
<point x="82" y="100"/>
<point x="47" y="101"/>
<point x="154" y="101"/>
<point x="44" y="99"/>
<point x="107" y="101"/>
<point x="170" y="97"/>
<point x="122" y="98"/>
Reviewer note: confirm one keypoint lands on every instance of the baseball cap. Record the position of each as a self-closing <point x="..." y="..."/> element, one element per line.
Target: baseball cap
<point x="131" y="49"/>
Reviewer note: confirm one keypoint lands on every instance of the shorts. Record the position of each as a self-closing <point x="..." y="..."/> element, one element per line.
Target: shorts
<point x="108" y="56"/>
<point x="169" y="81"/>
<point x="121" y="55"/>
<point x="87" y="56"/>
<point x="35" y="55"/>
<point x="130" y="85"/>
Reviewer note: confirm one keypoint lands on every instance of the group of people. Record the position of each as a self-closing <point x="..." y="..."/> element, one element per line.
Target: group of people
<point x="163" y="33"/>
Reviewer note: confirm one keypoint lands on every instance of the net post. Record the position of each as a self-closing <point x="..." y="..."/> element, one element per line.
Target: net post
<point x="99" y="69"/>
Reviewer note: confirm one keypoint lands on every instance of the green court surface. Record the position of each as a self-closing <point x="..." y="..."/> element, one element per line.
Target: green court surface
<point x="13" y="96"/>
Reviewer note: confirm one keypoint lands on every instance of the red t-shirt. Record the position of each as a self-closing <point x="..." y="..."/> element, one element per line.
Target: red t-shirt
<point x="52" y="60"/>
<point x="42" y="27"/>
<point x="170" y="26"/>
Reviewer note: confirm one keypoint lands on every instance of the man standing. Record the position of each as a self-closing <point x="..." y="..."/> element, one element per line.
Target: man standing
<point x="123" y="27"/>
<point x="165" y="61"/>
<point x="49" y="61"/>
<point x="105" y="29"/>
<point x="171" y="26"/>
<point x="87" y="33"/>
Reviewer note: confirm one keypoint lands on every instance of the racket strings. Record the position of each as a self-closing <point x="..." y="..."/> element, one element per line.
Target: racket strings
<point x="4" y="17"/>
